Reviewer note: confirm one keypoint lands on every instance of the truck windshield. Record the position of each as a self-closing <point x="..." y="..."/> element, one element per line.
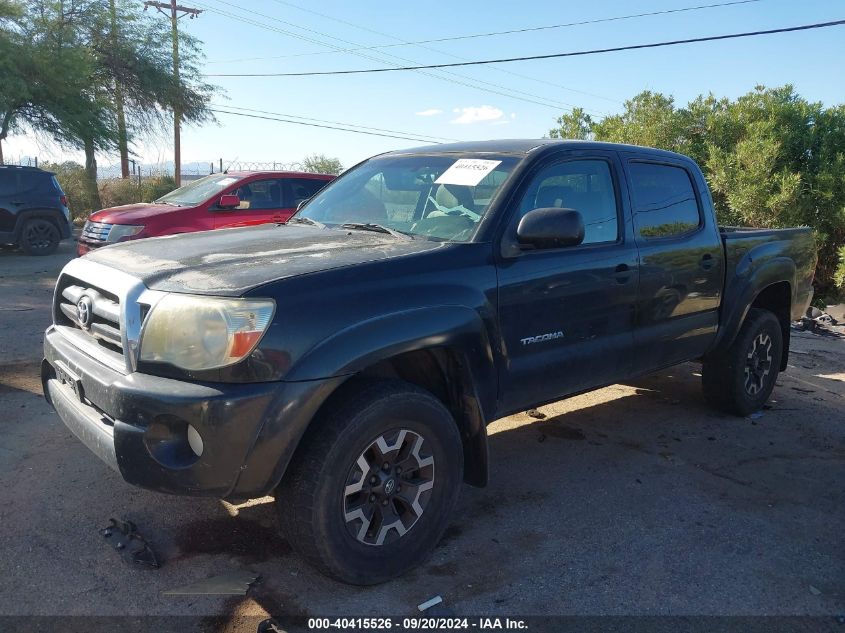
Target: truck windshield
<point x="198" y="190"/>
<point x="438" y="196"/>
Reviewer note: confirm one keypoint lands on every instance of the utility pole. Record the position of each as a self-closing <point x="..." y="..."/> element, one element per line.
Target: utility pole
<point x="123" y="140"/>
<point x="176" y="11"/>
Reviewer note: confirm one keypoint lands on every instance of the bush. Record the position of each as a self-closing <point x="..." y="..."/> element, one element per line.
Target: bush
<point x="71" y="177"/>
<point x="155" y="188"/>
<point x="113" y="193"/>
<point x="839" y="275"/>
<point x="117" y="192"/>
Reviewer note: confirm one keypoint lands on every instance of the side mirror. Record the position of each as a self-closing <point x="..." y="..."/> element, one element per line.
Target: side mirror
<point x="550" y="228"/>
<point x="229" y="201"/>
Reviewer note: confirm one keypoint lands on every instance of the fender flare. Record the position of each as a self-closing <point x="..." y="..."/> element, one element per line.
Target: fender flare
<point x="312" y="381"/>
<point x="751" y="281"/>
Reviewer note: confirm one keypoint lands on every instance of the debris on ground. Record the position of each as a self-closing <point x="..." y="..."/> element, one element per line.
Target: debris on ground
<point x="270" y="626"/>
<point x="235" y="583"/>
<point x="817" y="322"/>
<point x="814" y="591"/>
<point x="756" y="415"/>
<point x="126" y="539"/>
<point x="430" y="603"/>
<point x="537" y="415"/>
<point x="435" y="608"/>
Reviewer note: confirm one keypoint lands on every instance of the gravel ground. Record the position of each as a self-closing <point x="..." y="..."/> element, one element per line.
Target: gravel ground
<point x="636" y="499"/>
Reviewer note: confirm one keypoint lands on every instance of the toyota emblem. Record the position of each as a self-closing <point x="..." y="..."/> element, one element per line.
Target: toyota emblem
<point x="83" y="311"/>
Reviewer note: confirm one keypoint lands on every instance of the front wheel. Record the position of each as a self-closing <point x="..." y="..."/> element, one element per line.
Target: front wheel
<point x="39" y="236"/>
<point x="374" y="483"/>
<point x="740" y="379"/>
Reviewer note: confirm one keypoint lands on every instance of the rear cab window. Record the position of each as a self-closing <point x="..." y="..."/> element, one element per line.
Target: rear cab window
<point x="663" y="199"/>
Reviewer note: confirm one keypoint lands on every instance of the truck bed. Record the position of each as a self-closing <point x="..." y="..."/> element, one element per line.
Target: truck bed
<point x="746" y="249"/>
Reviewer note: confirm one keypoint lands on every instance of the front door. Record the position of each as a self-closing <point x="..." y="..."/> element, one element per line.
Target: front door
<point x="566" y="314"/>
<point x="261" y="202"/>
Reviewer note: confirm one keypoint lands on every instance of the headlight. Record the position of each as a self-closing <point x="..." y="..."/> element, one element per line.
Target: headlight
<point x="119" y="231"/>
<point x="197" y="333"/>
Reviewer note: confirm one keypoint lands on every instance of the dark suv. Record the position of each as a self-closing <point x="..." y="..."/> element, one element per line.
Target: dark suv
<point x="33" y="210"/>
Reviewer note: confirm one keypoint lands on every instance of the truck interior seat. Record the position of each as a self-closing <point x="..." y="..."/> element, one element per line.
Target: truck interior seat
<point x="453" y="196"/>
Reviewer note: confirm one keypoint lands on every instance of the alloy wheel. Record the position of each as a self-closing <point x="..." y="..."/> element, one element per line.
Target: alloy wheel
<point x="758" y="363"/>
<point x="39" y="235"/>
<point x="388" y="487"/>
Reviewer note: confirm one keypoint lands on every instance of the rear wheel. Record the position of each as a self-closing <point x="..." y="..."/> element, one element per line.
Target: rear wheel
<point x="39" y="236"/>
<point x="740" y="379"/>
<point x="374" y="483"/>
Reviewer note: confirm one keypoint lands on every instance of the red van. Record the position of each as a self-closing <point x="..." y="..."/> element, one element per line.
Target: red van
<point x="218" y="201"/>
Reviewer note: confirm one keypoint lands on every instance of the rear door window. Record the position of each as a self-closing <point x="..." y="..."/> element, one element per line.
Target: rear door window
<point x="260" y="194"/>
<point x="8" y="182"/>
<point x="301" y="189"/>
<point x="664" y="200"/>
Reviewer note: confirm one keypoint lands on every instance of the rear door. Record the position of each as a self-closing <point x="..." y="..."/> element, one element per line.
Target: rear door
<point x="681" y="261"/>
<point x="298" y="190"/>
<point x="261" y="202"/>
<point x="567" y="314"/>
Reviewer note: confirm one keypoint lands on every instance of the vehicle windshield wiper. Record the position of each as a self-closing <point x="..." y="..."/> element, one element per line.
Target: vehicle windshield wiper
<point x="297" y="219"/>
<point x="170" y="204"/>
<point x="378" y="228"/>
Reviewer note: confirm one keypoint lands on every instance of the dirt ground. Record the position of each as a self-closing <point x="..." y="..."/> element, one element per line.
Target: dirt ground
<point x="635" y="499"/>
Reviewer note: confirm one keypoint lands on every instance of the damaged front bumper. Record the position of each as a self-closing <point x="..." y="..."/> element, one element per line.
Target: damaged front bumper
<point x="167" y="435"/>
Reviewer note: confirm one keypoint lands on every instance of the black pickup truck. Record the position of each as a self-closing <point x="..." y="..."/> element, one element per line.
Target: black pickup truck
<point x="349" y="361"/>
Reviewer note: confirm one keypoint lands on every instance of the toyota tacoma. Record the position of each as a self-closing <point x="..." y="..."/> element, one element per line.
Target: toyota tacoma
<point x="348" y="361"/>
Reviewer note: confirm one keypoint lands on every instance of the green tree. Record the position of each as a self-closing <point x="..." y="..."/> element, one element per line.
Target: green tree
<point x="321" y="164"/>
<point x="772" y="158"/>
<point x="93" y="75"/>
<point x="575" y="124"/>
<point x="134" y="71"/>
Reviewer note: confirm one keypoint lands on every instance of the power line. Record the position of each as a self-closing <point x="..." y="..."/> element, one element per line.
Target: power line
<point x="319" y="125"/>
<point x="460" y="79"/>
<point x="545" y="82"/>
<point x="339" y="123"/>
<point x="478" y="35"/>
<point x="615" y="49"/>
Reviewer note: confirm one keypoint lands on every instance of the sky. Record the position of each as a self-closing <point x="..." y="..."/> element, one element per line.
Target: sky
<point x="514" y="100"/>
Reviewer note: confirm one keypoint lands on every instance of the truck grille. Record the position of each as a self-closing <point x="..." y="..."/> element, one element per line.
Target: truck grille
<point x="90" y="309"/>
<point x="96" y="231"/>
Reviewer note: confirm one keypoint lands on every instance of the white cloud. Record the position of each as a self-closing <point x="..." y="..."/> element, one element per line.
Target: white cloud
<point x="429" y="112"/>
<point x="477" y="114"/>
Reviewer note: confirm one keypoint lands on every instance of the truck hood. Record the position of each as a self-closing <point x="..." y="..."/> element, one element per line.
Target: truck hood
<point x="229" y="262"/>
<point x="132" y="213"/>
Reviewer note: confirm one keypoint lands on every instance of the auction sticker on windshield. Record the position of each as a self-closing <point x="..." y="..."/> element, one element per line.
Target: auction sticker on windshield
<point x="467" y="171"/>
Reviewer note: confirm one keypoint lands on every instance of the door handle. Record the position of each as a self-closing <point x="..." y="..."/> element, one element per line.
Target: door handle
<point x="707" y="261"/>
<point x="622" y="273"/>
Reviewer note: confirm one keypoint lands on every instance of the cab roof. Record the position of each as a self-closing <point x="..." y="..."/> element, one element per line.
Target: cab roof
<point x="526" y="146"/>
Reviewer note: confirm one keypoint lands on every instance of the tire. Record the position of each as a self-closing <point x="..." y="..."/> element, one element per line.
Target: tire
<point x="39" y="236"/>
<point x="342" y="519"/>
<point x="740" y="379"/>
